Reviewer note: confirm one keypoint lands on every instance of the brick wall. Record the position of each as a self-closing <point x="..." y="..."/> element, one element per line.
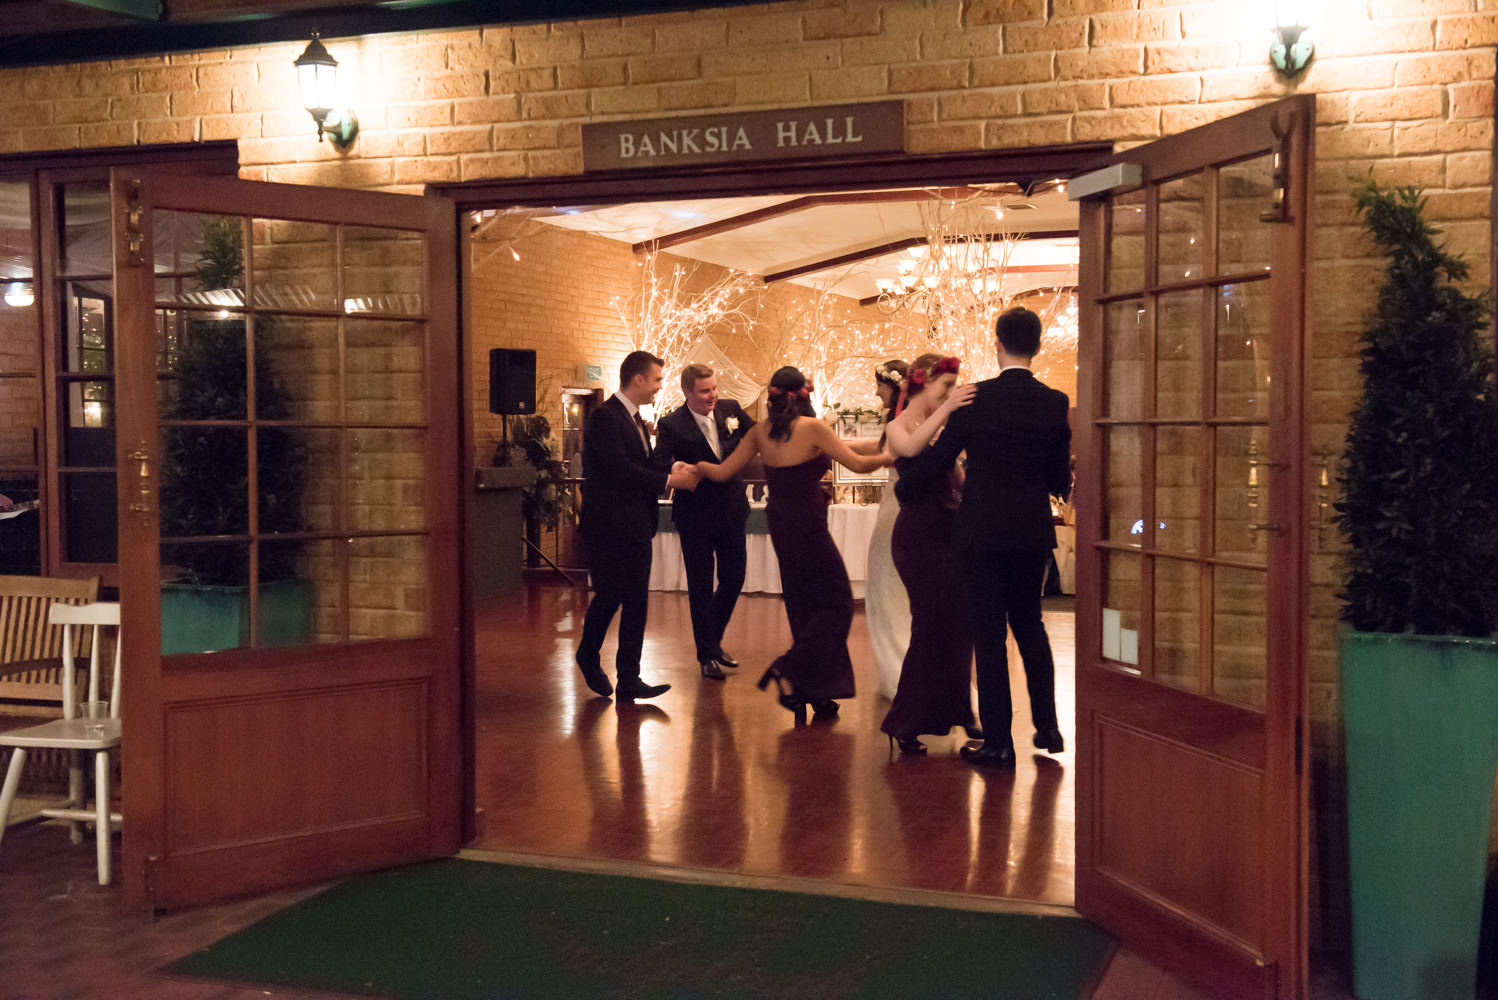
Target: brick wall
<point x="1404" y="86"/>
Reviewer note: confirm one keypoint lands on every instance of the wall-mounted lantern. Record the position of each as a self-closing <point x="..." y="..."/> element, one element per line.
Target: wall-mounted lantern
<point x="317" y="78"/>
<point x="1292" y="48"/>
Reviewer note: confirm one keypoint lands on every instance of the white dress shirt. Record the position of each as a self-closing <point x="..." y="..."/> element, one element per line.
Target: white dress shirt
<point x="709" y="428"/>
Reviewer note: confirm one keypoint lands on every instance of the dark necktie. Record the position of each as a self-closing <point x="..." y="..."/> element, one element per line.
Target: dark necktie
<point x="644" y="434"/>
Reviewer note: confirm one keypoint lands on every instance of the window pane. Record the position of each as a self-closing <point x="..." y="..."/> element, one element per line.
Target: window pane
<point x="17" y="261"/>
<point x="310" y="592"/>
<point x="87" y="246"/>
<point x="1125" y="267"/>
<point x="1243" y="350"/>
<point x="1123" y="346"/>
<point x="205" y="602"/>
<point x="1122" y="610"/>
<point x="316" y="452"/>
<point x="20" y="523"/>
<point x="211" y="381"/>
<point x="294" y="265"/>
<point x="204" y="482"/>
<point x="387" y="480"/>
<point x="1244" y="190"/>
<point x="89" y="517"/>
<point x="1123" y="518"/>
<point x="282" y="461"/>
<point x="383" y="271"/>
<point x="1239" y="638"/>
<point x="1177" y="623"/>
<point x="1178" y="357"/>
<point x="20" y="415"/>
<point x="1178" y="489"/>
<point x="386" y="372"/>
<point x="296" y="364"/>
<point x="1182" y="235"/>
<point x="387" y="587"/>
<point x="1242" y="492"/>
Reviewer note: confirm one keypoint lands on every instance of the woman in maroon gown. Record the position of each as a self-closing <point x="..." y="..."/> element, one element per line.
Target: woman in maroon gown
<point x="932" y="696"/>
<point x="798" y="450"/>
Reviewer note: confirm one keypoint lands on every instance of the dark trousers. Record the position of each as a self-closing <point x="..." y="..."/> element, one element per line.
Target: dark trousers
<point x="1003" y="590"/>
<point x="619" y="569"/>
<point x="701" y="548"/>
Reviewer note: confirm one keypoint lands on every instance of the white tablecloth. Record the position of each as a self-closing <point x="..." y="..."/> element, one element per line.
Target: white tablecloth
<point x="851" y="526"/>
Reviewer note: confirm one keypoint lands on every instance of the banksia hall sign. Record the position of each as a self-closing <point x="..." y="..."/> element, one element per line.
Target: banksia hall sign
<point x="782" y="134"/>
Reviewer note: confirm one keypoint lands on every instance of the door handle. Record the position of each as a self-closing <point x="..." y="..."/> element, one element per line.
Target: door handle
<point x="142" y="504"/>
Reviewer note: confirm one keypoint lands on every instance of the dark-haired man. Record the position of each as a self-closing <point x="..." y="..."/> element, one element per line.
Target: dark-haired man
<point x="618" y="520"/>
<point x="1017" y="440"/>
<point x="709" y="519"/>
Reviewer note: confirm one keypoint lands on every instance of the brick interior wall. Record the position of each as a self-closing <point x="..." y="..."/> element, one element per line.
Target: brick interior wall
<point x="1404" y="91"/>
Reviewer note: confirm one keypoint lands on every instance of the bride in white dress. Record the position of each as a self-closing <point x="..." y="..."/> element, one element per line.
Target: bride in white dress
<point x="886" y="606"/>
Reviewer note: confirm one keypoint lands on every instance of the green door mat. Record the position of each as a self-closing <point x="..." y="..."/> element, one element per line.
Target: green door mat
<point x="450" y="930"/>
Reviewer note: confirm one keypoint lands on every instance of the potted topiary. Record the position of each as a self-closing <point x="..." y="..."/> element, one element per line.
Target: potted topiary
<point x="205" y="478"/>
<point x="1419" y="663"/>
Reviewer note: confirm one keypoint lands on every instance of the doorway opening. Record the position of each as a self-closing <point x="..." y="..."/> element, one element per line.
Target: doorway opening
<point x="714" y="775"/>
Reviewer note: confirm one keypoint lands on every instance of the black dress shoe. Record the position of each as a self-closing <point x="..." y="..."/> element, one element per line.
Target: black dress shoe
<point x="597" y="680"/>
<point x="712" y="671"/>
<point x="634" y="688"/>
<point x="989" y="756"/>
<point x="1050" y="741"/>
<point x="724" y="660"/>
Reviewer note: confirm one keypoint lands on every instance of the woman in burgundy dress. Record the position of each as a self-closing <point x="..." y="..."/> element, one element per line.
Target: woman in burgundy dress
<point x="798" y="450"/>
<point x="932" y="696"/>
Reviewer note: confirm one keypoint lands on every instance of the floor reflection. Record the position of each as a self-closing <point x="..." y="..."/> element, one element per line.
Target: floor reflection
<point x="717" y="775"/>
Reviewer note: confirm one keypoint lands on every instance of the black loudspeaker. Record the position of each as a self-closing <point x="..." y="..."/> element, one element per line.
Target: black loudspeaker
<point x="512" y="381"/>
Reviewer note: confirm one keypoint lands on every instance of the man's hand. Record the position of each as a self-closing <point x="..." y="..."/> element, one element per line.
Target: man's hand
<point x="683" y="477"/>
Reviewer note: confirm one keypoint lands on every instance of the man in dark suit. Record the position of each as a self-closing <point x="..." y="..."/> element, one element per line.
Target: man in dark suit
<point x="709" y="519"/>
<point x="618" y="519"/>
<point x="1018" y="445"/>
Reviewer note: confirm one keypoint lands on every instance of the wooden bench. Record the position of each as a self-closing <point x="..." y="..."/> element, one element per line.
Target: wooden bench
<point x="31" y="666"/>
<point x="30" y="648"/>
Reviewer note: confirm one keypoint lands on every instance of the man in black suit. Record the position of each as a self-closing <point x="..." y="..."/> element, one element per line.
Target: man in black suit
<point x="709" y="519"/>
<point x="618" y="519"/>
<point x="1018" y="445"/>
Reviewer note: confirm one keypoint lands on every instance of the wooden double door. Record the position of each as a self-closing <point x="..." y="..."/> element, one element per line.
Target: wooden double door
<point x="288" y="435"/>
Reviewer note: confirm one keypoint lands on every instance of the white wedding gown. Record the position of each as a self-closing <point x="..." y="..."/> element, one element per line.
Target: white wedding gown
<point x="885" y="605"/>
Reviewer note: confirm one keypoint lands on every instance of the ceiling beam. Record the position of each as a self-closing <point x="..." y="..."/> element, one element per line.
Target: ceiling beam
<point x="855" y="256"/>
<point x="733" y="222"/>
<point x="141" y="10"/>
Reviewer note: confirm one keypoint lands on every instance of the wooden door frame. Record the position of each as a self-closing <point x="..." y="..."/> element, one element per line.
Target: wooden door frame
<point x="1032" y="164"/>
<point x="1286" y="727"/>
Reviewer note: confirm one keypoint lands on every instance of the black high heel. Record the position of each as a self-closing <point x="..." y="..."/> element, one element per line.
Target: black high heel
<point x="823" y="708"/>
<point x="911" y="746"/>
<point x="788" y="699"/>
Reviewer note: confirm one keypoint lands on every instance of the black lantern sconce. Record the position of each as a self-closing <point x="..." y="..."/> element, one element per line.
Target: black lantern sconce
<point x="317" y="78"/>
<point x="1292" y="48"/>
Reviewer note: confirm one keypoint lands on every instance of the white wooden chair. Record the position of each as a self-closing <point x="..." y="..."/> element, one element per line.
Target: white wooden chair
<point x="75" y="734"/>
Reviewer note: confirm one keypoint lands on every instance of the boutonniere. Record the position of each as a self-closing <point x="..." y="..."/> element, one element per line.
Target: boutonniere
<point x="732" y="423"/>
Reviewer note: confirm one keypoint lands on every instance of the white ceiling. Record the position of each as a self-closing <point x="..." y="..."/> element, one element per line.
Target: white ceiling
<point x="808" y="235"/>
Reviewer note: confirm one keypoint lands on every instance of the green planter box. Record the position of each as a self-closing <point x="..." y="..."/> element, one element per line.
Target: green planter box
<point x="1421" y="720"/>
<point x="202" y="619"/>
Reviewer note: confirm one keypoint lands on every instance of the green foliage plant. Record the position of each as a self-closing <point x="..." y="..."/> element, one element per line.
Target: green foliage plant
<point x="1419" y="477"/>
<point x="205" y="469"/>
<point x="531" y="440"/>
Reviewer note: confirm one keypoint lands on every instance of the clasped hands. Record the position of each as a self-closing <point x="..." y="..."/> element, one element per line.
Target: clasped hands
<point x="683" y="476"/>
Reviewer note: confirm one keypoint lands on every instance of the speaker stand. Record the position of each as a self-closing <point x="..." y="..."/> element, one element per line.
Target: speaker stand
<point x="547" y="559"/>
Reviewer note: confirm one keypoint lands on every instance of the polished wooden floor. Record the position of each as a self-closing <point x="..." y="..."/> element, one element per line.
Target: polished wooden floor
<point x="716" y="775"/>
<point x="712" y="779"/>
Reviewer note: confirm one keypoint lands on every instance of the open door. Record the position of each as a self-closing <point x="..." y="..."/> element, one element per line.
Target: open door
<point x="288" y="447"/>
<point x="1191" y="558"/>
